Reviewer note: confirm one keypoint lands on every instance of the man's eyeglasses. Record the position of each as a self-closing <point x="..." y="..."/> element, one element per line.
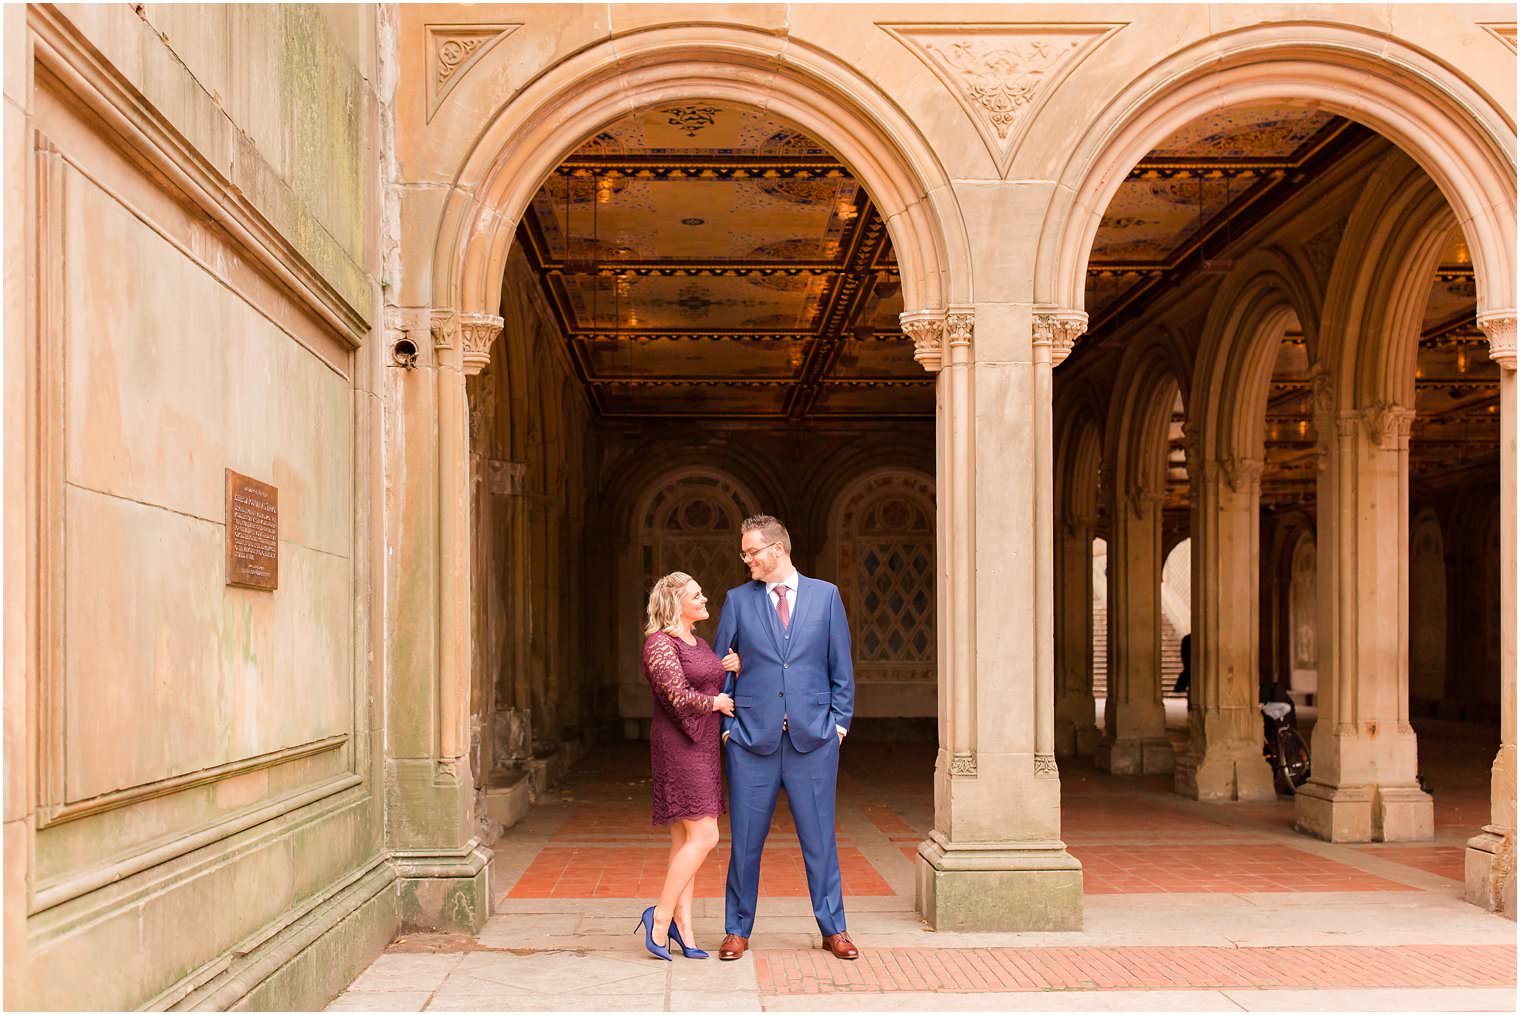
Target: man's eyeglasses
<point x="748" y="555"/>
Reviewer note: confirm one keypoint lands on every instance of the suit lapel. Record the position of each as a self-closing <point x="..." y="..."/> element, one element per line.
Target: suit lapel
<point x="767" y="616"/>
<point x="807" y="596"/>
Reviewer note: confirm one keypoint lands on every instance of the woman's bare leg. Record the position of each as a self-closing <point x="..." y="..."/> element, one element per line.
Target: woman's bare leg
<point x="701" y="835"/>
<point x="683" y="907"/>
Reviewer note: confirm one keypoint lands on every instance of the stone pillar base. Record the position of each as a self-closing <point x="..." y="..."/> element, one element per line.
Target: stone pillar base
<point x="1398" y="813"/>
<point x="1225" y="771"/>
<point x="1006" y="888"/>
<point x="1136" y="756"/>
<point x="444" y="892"/>
<point x="1491" y="870"/>
<point x="1073" y="739"/>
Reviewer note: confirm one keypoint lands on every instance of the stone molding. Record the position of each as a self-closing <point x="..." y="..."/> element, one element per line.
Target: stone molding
<point x="1059" y="330"/>
<point x="1500" y="329"/>
<point x="106" y="92"/>
<point x="1001" y="74"/>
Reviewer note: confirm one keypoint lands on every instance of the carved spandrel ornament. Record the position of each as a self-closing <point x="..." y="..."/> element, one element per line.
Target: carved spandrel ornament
<point x="451" y="51"/>
<point x="1001" y="74"/>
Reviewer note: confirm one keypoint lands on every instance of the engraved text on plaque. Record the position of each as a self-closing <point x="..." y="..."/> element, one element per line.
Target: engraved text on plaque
<point x="253" y="533"/>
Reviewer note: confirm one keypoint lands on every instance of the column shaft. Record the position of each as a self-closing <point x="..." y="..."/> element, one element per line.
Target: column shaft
<point x="1365" y="758"/>
<point x="1076" y="728"/>
<point x="1223" y="760"/>
<point x="1134" y="735"/>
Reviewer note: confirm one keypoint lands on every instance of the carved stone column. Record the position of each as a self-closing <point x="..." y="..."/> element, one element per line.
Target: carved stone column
<point x="1134" y="720"/>
<point x="1364" y="784"/>
<point x="1491" y="853"/>
<point x="1076" y="728"/>
<point x="994" y="860"/>
<point x="431" y="829"/>
<point x="1223" y="759"/>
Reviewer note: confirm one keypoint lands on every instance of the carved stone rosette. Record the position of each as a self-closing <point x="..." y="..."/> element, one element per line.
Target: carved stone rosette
<point x="1500" y="329"/>
<point x="926" y="328"/>
<point x="1059" y="330"/>
<point x="478" y="332"/>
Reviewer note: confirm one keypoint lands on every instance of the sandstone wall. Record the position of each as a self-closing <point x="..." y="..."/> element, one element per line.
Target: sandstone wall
<point x="191" y="269"/>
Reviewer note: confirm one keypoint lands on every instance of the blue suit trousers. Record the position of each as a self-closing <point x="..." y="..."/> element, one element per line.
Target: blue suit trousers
<point x="753" y="783"/>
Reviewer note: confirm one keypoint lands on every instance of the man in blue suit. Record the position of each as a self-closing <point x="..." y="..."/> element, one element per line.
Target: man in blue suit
<point x="793" y="699"/>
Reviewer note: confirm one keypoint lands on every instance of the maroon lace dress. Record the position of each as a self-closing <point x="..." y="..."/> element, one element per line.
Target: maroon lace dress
<point x="684" y="734"/>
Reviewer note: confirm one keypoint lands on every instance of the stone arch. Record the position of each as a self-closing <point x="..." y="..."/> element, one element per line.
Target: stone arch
<point x="1380" y="284"/>
<point x="1137" y="422"/>
<point x="533" y="131"/>
<point x="1078" y="452"/>
<point x="882" y="538"/>
<point x="1239" y="348"/>
<point x="1461" y="140"/>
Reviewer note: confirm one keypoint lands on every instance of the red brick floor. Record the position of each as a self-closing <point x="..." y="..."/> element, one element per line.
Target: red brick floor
<point x="1115" y="869"/>
<point x="967" y="970"/>
<point x="629" y="872"/>
<point x="1447" y="861"/>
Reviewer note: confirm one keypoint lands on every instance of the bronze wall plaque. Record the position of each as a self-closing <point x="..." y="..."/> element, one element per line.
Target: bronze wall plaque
<point x="253" y="533"/>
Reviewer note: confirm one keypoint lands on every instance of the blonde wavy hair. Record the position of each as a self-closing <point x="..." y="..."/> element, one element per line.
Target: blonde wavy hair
<point x="665" y="602"/>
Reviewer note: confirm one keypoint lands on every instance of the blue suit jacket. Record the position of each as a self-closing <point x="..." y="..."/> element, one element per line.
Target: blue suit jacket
<point x="803" y="672"/>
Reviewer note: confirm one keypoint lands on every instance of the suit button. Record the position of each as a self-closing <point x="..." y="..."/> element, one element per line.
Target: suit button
<point x="781" y="694"/>
<point x="786" y="666"/>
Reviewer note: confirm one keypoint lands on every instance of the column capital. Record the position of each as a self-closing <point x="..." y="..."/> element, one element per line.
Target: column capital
<point x="1388" y="425"/>
<point x="960" y="324"/>
<point x="1242" y="475"/>
<point x="478" y="331"/>
<point x="445" y="328"/>
<point x="926" y="328"/>
<point x="1059" y="330"/>
<point x="1499" y="326"/>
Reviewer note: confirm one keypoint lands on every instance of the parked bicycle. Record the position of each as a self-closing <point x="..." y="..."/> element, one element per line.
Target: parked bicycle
<point x="1285" y="748"/>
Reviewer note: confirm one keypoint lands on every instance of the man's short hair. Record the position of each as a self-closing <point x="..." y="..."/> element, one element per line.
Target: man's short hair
<point x="770" y="528"/>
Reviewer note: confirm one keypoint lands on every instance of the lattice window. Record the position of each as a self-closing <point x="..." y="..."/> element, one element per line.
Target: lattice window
<point x="692" y="525"/>
<point x="885" y="533"/>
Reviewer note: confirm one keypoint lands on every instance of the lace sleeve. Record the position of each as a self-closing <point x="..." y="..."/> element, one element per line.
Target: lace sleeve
<point x="662" y="668"/>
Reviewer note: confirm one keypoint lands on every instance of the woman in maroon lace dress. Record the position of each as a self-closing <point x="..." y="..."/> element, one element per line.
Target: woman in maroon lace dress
<point x="684" y="749"/>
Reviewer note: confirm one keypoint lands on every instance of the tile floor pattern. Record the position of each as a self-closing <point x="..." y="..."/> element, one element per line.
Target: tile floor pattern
<point x="1187" y="906"/>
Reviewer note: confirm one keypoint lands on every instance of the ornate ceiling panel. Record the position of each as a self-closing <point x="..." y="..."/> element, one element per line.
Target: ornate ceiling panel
<point x="707" y="258"/>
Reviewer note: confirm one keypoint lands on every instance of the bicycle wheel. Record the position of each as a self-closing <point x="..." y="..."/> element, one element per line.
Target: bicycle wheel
<point x="1292" y="756"/>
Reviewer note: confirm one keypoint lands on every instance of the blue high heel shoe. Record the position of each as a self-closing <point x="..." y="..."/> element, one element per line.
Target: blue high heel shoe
<point x="690" y="953"/>
<point x="646" y="924"/>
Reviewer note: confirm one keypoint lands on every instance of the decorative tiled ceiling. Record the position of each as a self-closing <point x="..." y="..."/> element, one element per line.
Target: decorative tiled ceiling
<point x="709" y="259"/>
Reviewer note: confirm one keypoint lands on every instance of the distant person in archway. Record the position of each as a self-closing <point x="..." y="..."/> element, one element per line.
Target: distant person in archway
<point x="686" y="775"/>
<point x="793" y="698"/>
<point x="1184" y="684"/>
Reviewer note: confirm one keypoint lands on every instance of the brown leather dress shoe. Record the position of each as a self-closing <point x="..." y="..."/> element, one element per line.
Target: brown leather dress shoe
<point x="841" y="945"/>
<point x="732" y="947"/>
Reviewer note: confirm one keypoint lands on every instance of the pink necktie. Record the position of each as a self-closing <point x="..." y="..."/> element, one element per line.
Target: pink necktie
<point x="782" y="610"/>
